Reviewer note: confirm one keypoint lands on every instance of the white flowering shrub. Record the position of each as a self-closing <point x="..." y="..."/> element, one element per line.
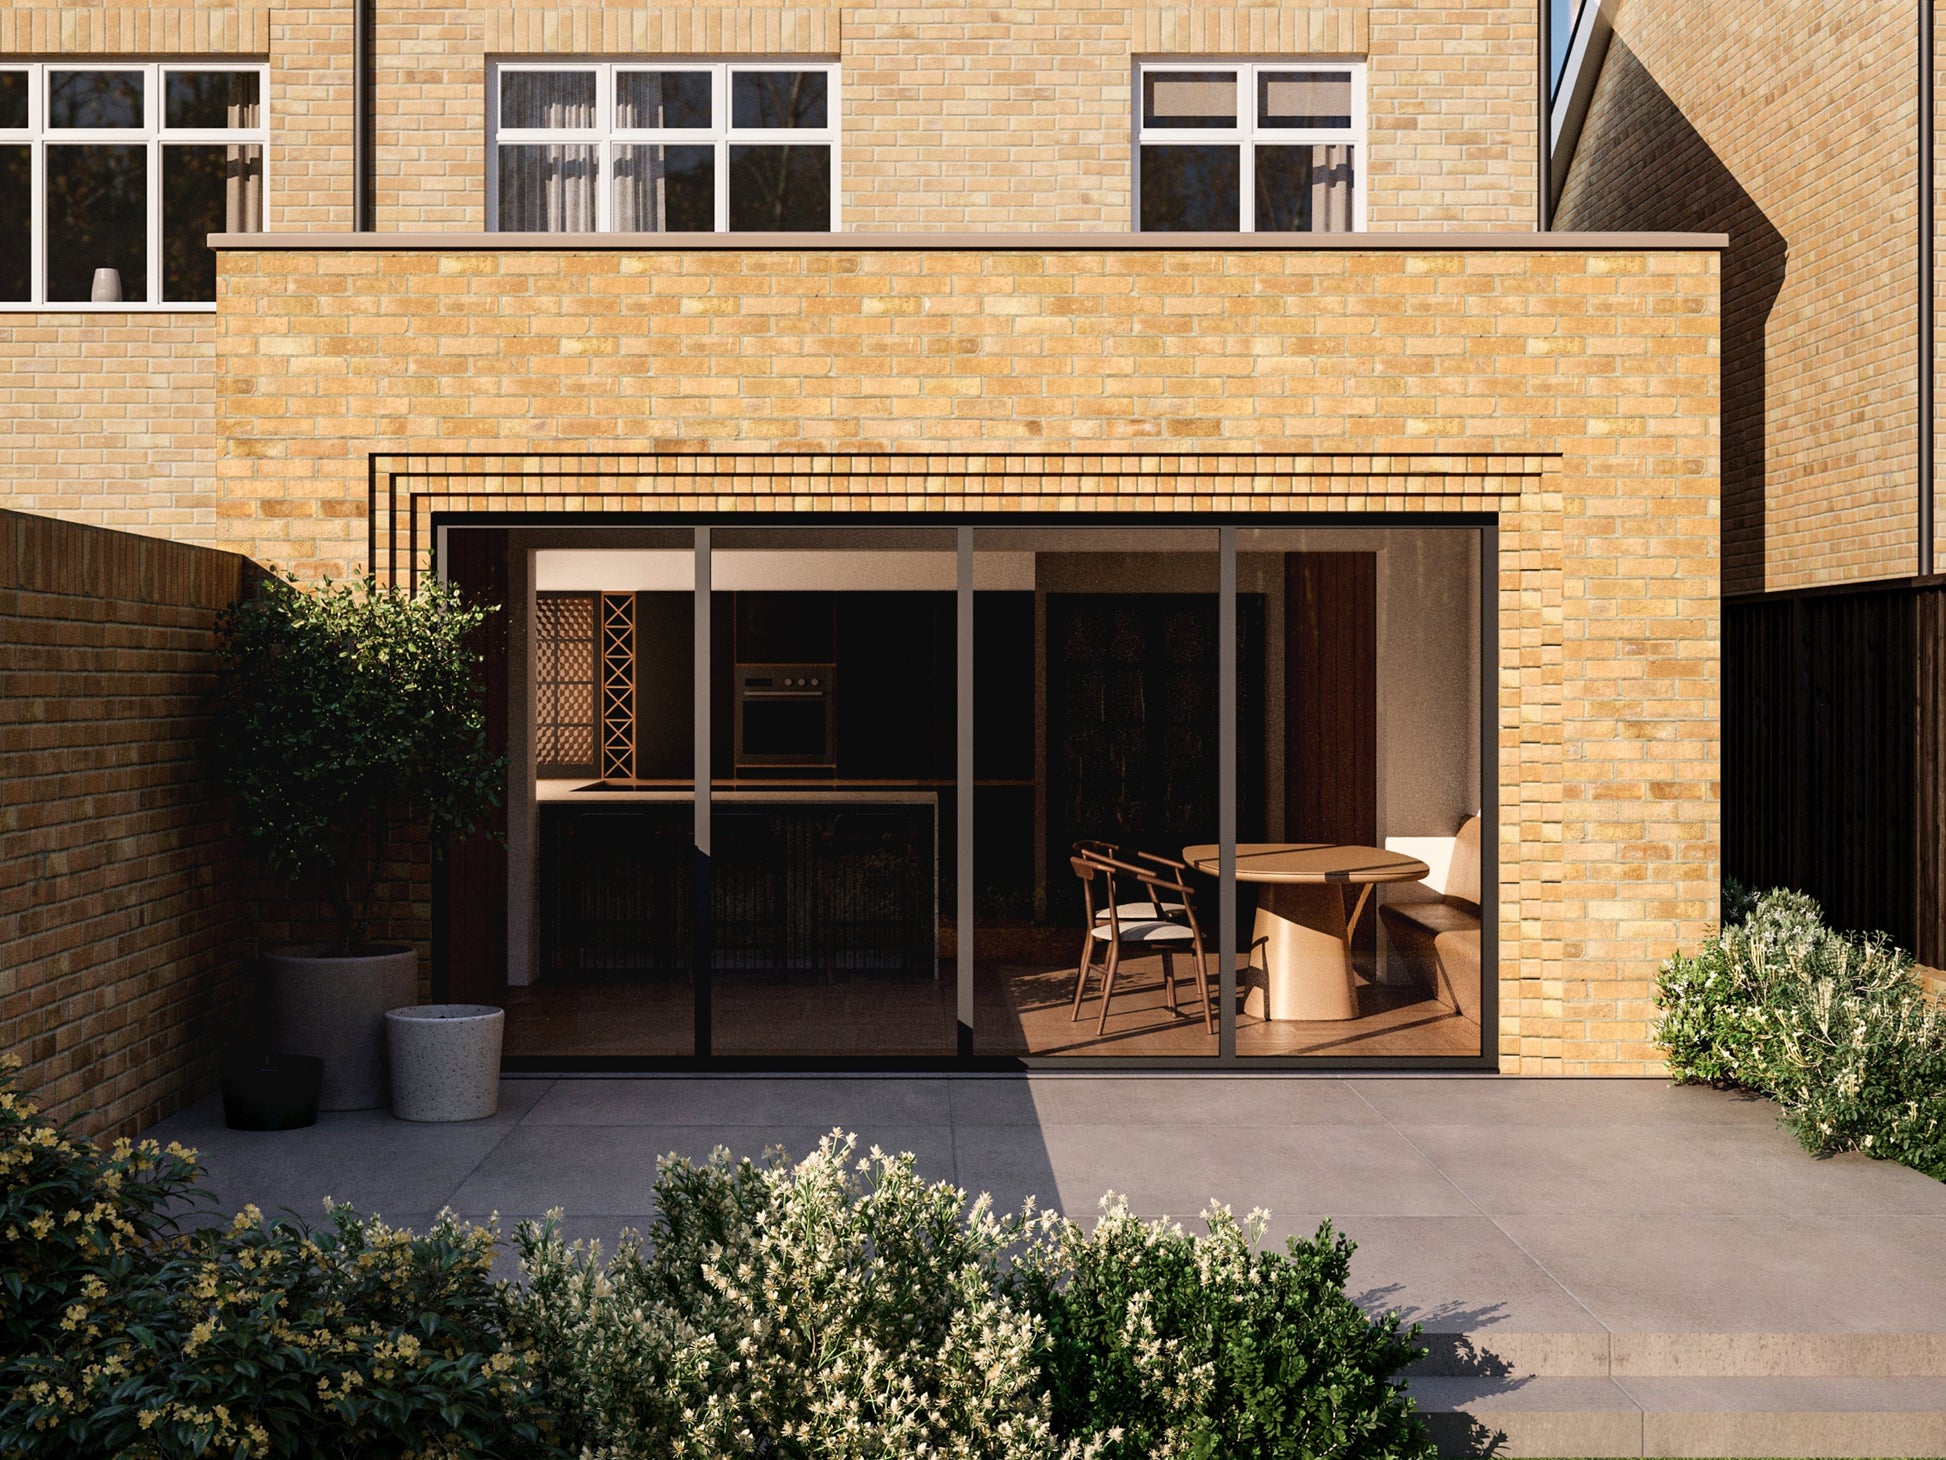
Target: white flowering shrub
<point x="1833" y="1026"/>
<point x="843" y="1308"/>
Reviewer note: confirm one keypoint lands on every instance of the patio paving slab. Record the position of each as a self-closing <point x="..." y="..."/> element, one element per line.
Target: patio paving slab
<point x="1601" y="1266"/>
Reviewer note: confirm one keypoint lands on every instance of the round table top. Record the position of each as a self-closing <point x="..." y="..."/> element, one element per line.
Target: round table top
<point x="1310" y="862"/>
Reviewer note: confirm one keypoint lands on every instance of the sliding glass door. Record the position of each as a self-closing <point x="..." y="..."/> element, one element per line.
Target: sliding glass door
<point x="1112" y="792"/>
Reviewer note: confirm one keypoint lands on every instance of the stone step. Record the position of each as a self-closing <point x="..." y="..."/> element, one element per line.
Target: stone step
<point x="1486" y="1353"/>
<point x="1684" y="1417"/>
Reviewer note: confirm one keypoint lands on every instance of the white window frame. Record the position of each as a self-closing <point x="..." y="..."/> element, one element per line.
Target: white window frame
<point x="152" y="135"/>
<point x="605" y="134"/>
<point x="1247" y="134"/>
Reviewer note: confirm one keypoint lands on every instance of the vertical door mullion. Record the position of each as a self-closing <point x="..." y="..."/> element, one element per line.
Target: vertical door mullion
<point x="1226" y="789"/>
<point x="963" y="790"/>
<point x="701" y="916"/>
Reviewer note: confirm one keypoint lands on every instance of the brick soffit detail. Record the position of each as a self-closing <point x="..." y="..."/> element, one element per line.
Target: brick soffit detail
<point x="406" y="491"/>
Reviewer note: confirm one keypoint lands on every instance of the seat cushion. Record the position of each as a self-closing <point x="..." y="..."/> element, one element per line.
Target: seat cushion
<point x="1463" y="877"/>
<point x="1430" y="918"/>
<point x="1147" y="930"/>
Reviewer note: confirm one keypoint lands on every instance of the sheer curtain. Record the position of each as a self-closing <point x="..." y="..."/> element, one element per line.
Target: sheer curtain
<point x="243" y="164"/>
<point x="641" y="169"/>
<point x="547" y="187"/>
<point x="1331" y="175"/>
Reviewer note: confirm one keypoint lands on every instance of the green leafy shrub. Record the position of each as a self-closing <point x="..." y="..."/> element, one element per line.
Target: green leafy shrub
<point x="128" y="1338"/>
<point x="1157" y="1342"/>
<point x="1833" y="1026"/>
<point x="344" y="710"/>
<point x="844" y="1308"/>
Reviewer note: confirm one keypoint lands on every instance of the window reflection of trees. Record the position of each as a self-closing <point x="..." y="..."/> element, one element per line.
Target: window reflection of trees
<point x="780" y="189"/>
<point x="1190" y="189"/>
<point x="97" y="199"/>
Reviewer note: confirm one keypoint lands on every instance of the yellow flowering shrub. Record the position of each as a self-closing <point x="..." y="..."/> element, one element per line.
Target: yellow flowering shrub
<point x="127" y="1336"/>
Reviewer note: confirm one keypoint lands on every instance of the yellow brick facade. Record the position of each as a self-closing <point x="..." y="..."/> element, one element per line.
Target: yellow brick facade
<point x="1573" y="392"/>
<point x="1789" y="124"/>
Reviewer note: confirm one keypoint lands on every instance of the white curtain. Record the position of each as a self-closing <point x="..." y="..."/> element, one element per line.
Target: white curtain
<point x="1331" y="178"/>
<point x="641" y="187"/>
<point x="547" y="187"/>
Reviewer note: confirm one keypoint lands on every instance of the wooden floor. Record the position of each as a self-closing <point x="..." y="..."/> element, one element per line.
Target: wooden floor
<point x="1020" y="1008"/>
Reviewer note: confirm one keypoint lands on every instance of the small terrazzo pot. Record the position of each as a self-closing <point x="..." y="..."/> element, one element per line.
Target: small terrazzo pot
<point x="445" y="1060"/>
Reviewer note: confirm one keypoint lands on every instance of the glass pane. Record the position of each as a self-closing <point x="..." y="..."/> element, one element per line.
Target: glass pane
<point x="205" y="190"/>
<point x="226" y="99"/>
<point x="780" y="189"/>
<point x="832" y="817"/>
<point x="1304" y="98"/>
<point x="662" y="99"/>
<point x="1304" y="189"/>
<point x="551" y="99"/>
<point x="94" y="98"/>
<point x="97" y="200"/>
<point x="664" y="189"/>
<point x="1190" y="189"/>
<point x="1189" y="99"/>
<point x="13" y="98"/>
<point x="16" y="208"/>
<point x="548" y="188"/>
<point x="609" y="877"/>
<point x="778" y="99"/>
<point x="1095" y="717"/>
<point x="1358" y="769"/>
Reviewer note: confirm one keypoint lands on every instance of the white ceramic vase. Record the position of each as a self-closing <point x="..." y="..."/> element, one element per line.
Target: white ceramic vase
<point x="445" y="1061"/>
<point x="322" y="1003"/>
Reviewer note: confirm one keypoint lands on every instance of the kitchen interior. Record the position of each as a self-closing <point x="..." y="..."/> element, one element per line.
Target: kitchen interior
<point x="833" y="717"/>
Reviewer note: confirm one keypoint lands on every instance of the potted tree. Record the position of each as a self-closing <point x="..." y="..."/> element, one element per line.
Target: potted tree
<point x="345" y="711"/>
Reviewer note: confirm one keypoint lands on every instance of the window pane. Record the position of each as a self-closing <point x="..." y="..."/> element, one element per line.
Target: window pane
<point x="96" y="201"/>
<point x="778" y="99"/>
<point x="1189" y="99"/>
<point x="1190" y="189"/>
<point x="662" y="99"/>
<point x="780" y="189"/>
<point x="212" y="99"/>
<point x="16" y="208"/>
<point x="13" y="98"/>
<point x="548" y="188"/>
<point x="94" y="98"/>
<point x="205" y="190"/>
<point x="662" y="189"/>
<point x="547" y="99"/>
<point x="1304" y="189"/>
<point x="1304" y="98"/>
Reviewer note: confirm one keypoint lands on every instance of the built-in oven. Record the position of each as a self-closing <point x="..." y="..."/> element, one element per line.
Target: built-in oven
<point x="786" y="716"/>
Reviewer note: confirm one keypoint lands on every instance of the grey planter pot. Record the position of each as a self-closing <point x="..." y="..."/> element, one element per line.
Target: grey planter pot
<point x="445" y="1061"/>
<point x="323" y="1004"/>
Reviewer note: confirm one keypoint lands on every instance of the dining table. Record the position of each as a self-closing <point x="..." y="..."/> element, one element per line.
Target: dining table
<point x="1301" y="941"/>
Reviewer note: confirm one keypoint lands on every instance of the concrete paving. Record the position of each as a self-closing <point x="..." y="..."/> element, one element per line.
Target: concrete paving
<point x="1602" y="1267"/>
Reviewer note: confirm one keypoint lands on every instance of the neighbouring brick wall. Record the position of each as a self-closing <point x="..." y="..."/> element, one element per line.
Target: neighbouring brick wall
<point x="1788" y="124"/>
<point x="122" y="926"/>
<point x="1573" y="392"/>
<point x="110" y="419"/>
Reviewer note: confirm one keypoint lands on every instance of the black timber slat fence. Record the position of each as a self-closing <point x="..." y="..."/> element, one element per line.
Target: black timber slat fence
<point x="1833" y="701"/>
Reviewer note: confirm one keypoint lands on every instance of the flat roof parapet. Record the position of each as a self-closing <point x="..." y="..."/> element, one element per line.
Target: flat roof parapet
<point x="1043" y="242"/>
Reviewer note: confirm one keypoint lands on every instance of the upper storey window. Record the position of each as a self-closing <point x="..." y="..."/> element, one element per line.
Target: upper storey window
<point x="114" y="173"/>
<point x="1250" y="146"/>
<point x="665" y="147"/>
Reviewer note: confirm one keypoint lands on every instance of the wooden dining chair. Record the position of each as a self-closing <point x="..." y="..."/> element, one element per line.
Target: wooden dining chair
<point x="1117" y="857"/>
<point x="1109" y="930"/>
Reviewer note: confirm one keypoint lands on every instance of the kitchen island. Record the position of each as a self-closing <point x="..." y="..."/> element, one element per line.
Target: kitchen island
<point x="805" y="878"/>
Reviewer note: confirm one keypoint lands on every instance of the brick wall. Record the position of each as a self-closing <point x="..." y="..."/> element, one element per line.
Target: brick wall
<point x="121" y="926"/>
<point x="1788" y="124"/>
<point x="1573" y="392"/>
<point x="110" y="419"/>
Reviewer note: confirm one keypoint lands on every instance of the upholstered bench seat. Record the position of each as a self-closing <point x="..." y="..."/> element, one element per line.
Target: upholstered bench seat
<point x="1440" y="941"/>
